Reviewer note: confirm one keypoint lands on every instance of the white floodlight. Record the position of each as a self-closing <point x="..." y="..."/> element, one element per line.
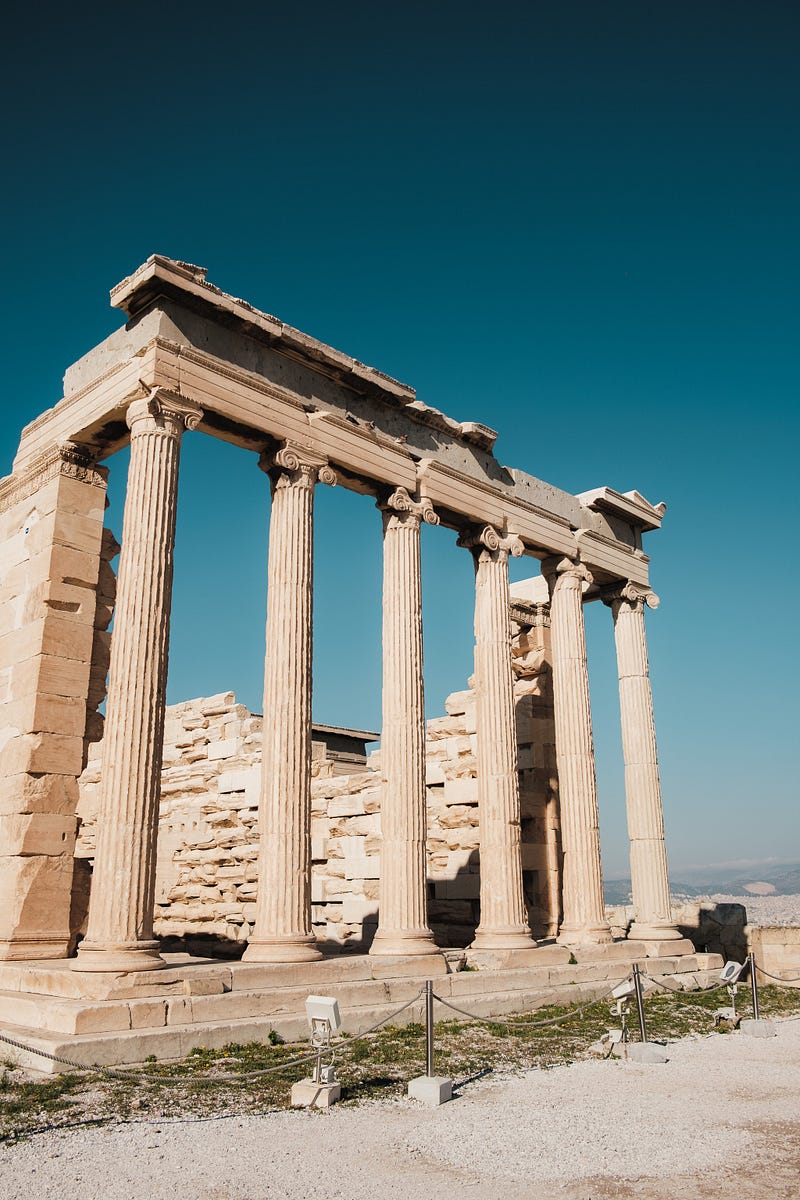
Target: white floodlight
<point x="322" y="1088"/>
<point x="731" y="971"/>
<point x="624" y="989"/>
<point x="323" y="1008"/>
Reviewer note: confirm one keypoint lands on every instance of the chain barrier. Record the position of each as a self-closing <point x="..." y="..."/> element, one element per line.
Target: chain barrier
<point x="228" y="1076"/>
<point x="777" y="978"/>
<point x="527" y="1023"/>
<point x="343" y="1043"/>
<point x="141" y="1077"/>
<point x="717" y="987"/>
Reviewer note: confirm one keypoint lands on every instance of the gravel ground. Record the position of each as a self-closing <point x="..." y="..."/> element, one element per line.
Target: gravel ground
<point x="764" y="910"/>
<point x="719" y="1120"/>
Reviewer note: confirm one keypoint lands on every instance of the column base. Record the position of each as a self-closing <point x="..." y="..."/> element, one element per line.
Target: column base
<point x="282" y="950"/>
<point x="513" y="937"/>
<point x="584" y="935"/>
<point x="397" y="945"/>
<point x="651" y="931"/>
<point x="124" y="956"/>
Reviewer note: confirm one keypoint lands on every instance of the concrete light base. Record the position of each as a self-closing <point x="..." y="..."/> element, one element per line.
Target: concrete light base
<point x="645" y="1052"/>
<point x="431" y="1090"/>
<point x="308" y="1094"/>
<point x="762" y="1029"/>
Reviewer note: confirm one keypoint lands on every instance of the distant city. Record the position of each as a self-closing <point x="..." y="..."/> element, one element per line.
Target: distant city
<point x="764" y="879"/>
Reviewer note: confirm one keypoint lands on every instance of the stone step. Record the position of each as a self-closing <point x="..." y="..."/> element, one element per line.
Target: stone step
<point x="128" y="1031"/>
<point x="176" y="1041"/>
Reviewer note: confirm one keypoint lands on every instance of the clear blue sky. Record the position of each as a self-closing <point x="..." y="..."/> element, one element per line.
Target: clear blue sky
<point x="575" y="222"/>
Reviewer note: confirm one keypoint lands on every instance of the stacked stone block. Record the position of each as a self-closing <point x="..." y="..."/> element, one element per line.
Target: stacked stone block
<point x="207" y="872"/>
<point x="51" y="533"/>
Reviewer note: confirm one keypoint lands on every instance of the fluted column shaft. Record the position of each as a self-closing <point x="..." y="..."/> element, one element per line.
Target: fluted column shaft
<point x="504" y="918"/>
<point x="403" y="917"/>
<point x="649" y="874"/>
<point x="282" y="930"/>
<point x="120" y="928"/>
<point x="583" y="905"/>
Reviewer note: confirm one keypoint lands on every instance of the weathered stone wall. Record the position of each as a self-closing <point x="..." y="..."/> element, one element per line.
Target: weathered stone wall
<point x="715" y="927"/>
<point x="777" y="950"/>
<point x="208" y="834"/>
<point x="51" y="626"/>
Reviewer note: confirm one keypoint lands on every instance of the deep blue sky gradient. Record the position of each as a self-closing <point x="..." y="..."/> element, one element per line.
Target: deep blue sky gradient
<point x="576" y="222"/>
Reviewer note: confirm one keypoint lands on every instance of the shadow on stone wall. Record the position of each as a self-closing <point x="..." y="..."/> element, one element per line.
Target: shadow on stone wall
<point x="714" y="928"/>
<point x="453" y="915"/>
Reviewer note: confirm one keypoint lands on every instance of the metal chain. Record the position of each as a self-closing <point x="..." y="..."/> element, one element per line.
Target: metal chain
<point x="342" y="1045"/>
<point x="682" y="991"/>
<point x="133" y="1076"/>
<point x="232" y="1076"/>
<point x="527" y="1023"/>
<point x="777" y="978"/>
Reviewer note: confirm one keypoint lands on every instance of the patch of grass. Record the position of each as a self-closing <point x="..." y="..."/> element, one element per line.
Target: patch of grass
<point x="215" y="1081"/>
<point x="21" y="1100"/>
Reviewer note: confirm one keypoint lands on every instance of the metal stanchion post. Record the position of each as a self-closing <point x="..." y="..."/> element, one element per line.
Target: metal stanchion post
<point x="637" y="983"/>
<point x="754" y="985"/>
<point x="429" y="1028"/>
<point x="430" y="1089"/>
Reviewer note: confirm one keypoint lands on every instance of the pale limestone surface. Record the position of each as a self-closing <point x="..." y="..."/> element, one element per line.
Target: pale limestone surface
<point x="649" y="878"/>
<point x="598" y="1130"/>
<point x="282" y="930"/>
<point x="120" y="928"/>
<point x="584" y="918"/>
<point x="55" y="607"/>
<point x="403" y="925"/>
<point x="191" y="354"/>
<point x="504" y="924"/>
<point x="207" y="873"/>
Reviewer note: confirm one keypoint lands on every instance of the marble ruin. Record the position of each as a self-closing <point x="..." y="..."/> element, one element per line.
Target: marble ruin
<point x="202" y="821"/>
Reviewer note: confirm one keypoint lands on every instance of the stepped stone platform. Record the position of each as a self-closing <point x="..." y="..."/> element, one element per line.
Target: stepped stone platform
<point x="112" y="1018"/>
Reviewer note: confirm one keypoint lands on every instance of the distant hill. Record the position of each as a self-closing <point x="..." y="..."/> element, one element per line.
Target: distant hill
<point x="784" y="877"/>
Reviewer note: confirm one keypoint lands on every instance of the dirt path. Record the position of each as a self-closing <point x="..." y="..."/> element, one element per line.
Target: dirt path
<point x="720" y="1120"/>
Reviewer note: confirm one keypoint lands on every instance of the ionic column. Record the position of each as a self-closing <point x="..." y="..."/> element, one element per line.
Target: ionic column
<point x="504" y="917"/>
<point x="649" y="876"/>
<point x="403" y="917"/>
<point x="120" y="930"/>
<point x="282" y="930"/>
<point x="584" y="919"/>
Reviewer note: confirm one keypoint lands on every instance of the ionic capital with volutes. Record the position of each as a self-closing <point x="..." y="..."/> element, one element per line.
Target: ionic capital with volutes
<point x="164" y="412"/>
<point x="399" y="508"/>
<point x="625" y="592"/>
<point x="488" y="544"/>
<point x="566" y="573"/>
<point x="293" y="465"/>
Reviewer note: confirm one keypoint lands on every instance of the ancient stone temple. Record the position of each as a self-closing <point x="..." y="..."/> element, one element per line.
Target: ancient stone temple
<point x="191" y="361"/>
